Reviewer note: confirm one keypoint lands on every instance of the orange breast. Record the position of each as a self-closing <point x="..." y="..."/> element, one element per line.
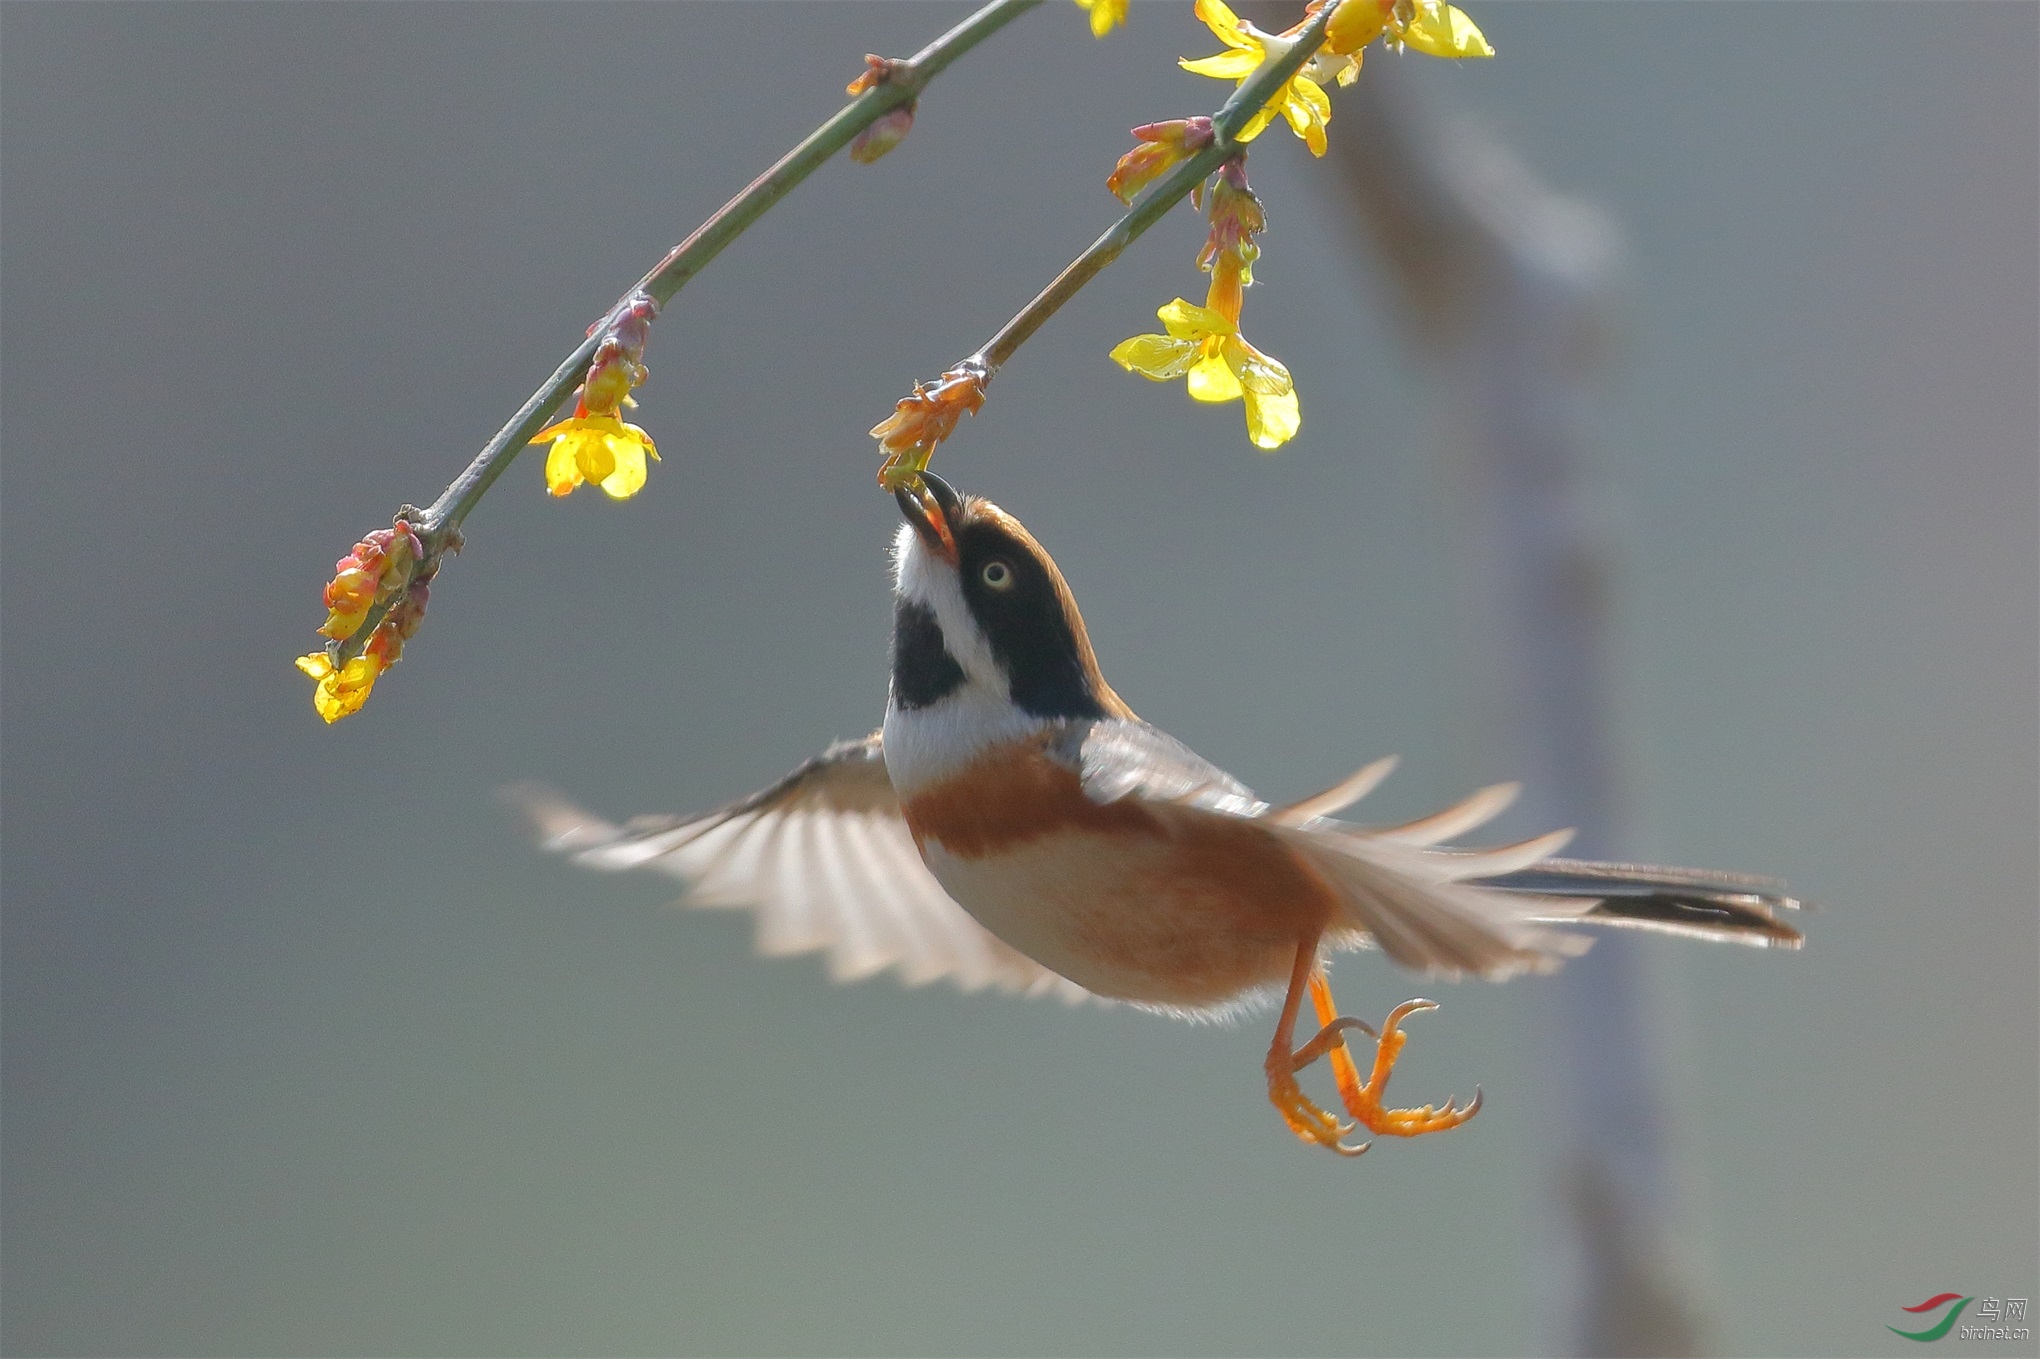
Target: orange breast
<point x="1146" y="902"/>
<point x="1011" y="796"/>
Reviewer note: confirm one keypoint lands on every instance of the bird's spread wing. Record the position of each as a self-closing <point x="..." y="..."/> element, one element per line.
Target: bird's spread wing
<point x="825" y="859"/>
<point x="1486" y="912"/>
<point x="1119" y="758"/>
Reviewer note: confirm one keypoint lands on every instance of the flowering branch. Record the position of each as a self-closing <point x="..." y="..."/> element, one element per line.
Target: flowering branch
<point x="1279" y="75"/>
<point x="874" y="120"/>
<point x="921" y="421"/>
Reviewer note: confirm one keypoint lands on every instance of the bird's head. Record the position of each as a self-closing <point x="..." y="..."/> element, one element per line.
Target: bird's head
<point x="981" y="611"/>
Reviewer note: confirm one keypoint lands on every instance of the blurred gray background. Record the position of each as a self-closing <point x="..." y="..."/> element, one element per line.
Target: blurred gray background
<point x="308" y="1051"/>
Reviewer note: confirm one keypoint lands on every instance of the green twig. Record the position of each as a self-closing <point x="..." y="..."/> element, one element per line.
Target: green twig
<point x="1252" y="94"/>
<point x="439" y="525"/>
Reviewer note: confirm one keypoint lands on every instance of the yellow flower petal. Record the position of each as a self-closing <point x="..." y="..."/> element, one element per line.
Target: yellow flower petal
<point x="1257" y="372"/>
<point x="343" y="692"/>
<point x="1272" y="420"/>
<point x="1312" y="130"/>
<point x="1236" y="64"/>
<point x="1106" y="15"/>
<point x="342" y="622"/>
<point x="626" y="476"/>
<point x="1159" y="358"/>
<point x="1224" y="23"/>
<point x="1355" y="24"/>
<point x="1258" y="124"/>
<point x="562" y="471"/>
<point x="1304" y="91"/>
<point x="1308" y="108"/>
<point x="592" y="454"/>
<point x="1443" y="30"/>
<point x="597" y="448"/>
<point x="1187" y="321"/>
<point x="1212" y="380"/>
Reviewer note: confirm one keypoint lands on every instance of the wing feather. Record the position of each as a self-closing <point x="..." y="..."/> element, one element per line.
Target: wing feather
<point x="1491" y="912"/>
<point x="1408" y="902"/>
<point x="1484" y="806"/>
<point x="824" y="859"/>
<point x="1339" y="796"/>
<point x="891" y="941"/>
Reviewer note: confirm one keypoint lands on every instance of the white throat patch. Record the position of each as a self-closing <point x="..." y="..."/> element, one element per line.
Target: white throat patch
<point x="924" y="578"/>
<point x="928" y="744"/>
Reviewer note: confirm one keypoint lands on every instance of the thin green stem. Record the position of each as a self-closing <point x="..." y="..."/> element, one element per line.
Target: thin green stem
<point x="1253" y="93"/>
<point x="439" y="525"/>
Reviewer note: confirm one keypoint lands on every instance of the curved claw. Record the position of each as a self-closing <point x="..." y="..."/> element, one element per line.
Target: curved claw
<point x="1329" y="1037"/>
<point x="1364" y="1099"/>
<point x="1312" y="1124"/>
<point x="1405" y="1010"/>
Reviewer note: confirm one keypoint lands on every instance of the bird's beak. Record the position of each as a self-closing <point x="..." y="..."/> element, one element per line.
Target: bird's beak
<point x="933" y="507"/>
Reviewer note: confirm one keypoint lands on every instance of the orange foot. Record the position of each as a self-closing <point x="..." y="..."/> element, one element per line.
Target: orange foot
<point x="1304" y="1118"/>
<point x="1363" y="1099"/>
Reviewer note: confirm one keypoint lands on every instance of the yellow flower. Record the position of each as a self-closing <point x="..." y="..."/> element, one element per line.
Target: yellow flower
<point x="1106" y="15"/>
<point x="341" y="691"/>
<point x="1303" y="102"/>
<point x="1431" y="26"/>
<point x="594" y="444"/>
<point x="597" y="448"/>
<point x="1437" y="29"/>
<point x="1203" y="345"/>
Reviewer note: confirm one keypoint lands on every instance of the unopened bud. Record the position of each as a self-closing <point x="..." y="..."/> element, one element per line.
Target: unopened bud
<point x="610" y="378"/>
<point x="1162" y="146"/>
<point x="883" y="135"/>
<point x="632" y="328"/>
<point x="1236" y="218"/>
<point x="877" y="71"/>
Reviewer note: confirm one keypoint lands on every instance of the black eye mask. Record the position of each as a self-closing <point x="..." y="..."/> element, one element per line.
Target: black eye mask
<point x="1026" y="625"/>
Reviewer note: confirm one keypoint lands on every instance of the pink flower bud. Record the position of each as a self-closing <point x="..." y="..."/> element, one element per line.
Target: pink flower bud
<point x="1163" y="146"/>
<point x="883" y="135"/>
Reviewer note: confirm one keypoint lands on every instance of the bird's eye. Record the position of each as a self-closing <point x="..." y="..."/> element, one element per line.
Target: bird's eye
<point x="997" y="574"/>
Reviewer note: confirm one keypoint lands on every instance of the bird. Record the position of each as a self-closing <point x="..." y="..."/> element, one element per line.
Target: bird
<point x="1014" y="825"/>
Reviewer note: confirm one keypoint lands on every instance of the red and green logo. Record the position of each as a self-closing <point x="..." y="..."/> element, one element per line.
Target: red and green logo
<point x="1941" y="1327"/>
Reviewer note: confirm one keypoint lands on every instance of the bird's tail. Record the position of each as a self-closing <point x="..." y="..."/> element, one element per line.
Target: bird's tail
<point x="1726" y="907"/>
<point x="1410" y="895"/>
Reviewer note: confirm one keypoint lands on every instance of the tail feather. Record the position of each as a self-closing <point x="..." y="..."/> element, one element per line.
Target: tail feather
<point x="1727" y="907"/>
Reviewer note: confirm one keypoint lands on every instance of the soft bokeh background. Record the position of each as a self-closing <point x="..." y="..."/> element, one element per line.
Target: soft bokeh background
<point x="307" y="1051"/>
